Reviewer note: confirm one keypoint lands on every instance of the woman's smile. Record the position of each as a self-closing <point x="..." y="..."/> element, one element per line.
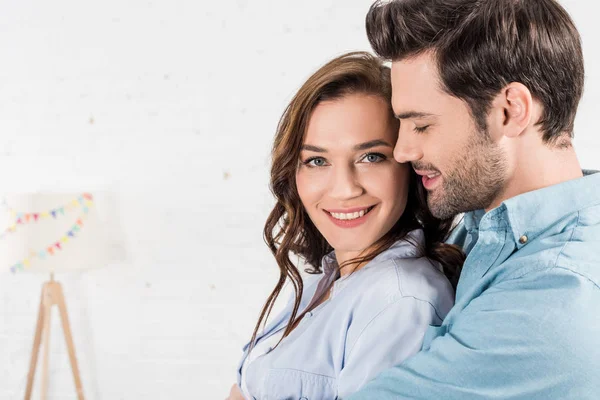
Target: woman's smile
<point x="349" y="218"/>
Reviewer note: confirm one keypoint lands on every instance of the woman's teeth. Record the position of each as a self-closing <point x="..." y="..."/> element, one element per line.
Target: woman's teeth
<point x="350" y="216"/>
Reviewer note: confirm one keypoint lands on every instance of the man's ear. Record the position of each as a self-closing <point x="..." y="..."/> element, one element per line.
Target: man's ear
<point x="512" y="110"/>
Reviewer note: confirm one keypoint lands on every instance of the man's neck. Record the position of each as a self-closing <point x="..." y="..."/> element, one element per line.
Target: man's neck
<point x="539" y="167"/>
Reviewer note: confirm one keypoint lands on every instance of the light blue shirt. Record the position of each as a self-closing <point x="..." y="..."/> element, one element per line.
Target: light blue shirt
<point x="526" y="324"/>
<point x="374" y="319"/>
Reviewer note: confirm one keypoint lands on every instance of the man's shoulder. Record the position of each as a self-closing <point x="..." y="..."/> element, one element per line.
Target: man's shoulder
<point x="571" y="244"/>
<point x="581" y="253"/>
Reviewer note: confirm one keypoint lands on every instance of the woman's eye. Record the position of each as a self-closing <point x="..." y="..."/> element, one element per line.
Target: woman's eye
<point x="374" y="158"/>
<point x="315" y="162"/>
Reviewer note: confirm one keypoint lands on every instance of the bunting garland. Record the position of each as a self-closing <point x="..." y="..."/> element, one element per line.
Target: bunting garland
<point x="85" y="202"/>
<point x="21" y="218"/>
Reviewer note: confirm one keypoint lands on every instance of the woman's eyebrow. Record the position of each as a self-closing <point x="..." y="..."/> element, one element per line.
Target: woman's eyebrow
<point x="358" y="147"/>
<point x="372" y="143"/>
<point x="310" y="147"/>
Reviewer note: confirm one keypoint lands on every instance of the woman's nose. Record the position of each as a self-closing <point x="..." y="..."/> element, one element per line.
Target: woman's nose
<point x="345" y="184"/>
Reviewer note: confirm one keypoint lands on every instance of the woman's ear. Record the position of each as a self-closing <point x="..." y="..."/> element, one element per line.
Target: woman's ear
<point x="512" y="110"/>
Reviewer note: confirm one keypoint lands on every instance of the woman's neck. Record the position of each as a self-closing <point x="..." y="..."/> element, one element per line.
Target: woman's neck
<point x="345" y="256"/>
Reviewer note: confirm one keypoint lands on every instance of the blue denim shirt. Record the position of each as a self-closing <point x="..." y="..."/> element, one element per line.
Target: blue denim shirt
<point x="526" y="323"/>
<point x="374" y="319"/>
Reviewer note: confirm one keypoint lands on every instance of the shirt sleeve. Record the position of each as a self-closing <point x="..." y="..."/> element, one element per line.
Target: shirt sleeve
<point x="527" y="338"/>
<point x="394" y="334"/>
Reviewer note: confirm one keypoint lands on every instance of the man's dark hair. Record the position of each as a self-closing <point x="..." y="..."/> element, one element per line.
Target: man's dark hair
<point x="483" y="45"/>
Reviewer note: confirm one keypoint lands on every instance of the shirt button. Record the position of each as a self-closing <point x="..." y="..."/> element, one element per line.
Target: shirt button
<point x="303" y="398"/>
<point x="309" y="314"/>
<point x="523" y="239"/>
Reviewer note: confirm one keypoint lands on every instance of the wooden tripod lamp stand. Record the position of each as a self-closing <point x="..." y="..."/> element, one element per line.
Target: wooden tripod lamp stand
<point x="52" y="294"/>
<point x="48" y="233"/>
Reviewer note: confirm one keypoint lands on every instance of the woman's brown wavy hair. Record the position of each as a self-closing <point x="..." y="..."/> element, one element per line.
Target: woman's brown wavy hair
<point x="289" y="230"/>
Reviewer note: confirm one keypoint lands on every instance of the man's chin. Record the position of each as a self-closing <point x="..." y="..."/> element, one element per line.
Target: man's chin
<point x="438" y="207"/>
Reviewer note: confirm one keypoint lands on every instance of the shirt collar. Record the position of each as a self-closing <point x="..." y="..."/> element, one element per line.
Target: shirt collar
<point x="404" y="248"/>
<point x="530" y="214"/>
<point x="472" y="219"/>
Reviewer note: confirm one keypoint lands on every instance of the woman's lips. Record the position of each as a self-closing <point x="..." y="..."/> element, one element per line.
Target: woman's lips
<point x="349" y="223"/>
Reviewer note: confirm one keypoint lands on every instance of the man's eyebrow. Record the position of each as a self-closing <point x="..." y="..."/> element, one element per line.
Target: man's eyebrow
<point x="414" y="114"/>
<point x="372" y="143"/>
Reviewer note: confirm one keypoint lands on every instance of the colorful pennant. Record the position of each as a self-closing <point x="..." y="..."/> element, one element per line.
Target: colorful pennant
<point x="85" y="201"/>
<point x="21" y="218"/>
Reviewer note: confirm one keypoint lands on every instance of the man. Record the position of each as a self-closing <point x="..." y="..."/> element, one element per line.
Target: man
<point x="486" y="93"/>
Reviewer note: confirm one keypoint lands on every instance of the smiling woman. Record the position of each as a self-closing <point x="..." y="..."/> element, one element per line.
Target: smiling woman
<point x="359" y="220"/>
<point x="356" y="183"/>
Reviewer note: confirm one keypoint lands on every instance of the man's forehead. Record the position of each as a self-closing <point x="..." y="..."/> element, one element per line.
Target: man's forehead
<point x="414" y="84"/>
<point x="423" y="64"/>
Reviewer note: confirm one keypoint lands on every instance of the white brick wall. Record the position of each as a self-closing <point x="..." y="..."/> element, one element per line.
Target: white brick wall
<point x="173" y="105"/>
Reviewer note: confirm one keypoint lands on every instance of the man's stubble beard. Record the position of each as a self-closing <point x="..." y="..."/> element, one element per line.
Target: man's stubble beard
<point x="476" y="180"/>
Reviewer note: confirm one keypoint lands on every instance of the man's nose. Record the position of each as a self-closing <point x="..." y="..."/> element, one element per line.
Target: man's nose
<point x="345" y="184"/>
<point x="407" y="148"/>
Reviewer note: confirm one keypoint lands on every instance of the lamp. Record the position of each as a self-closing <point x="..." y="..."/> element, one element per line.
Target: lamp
<point x="48" y="233"/>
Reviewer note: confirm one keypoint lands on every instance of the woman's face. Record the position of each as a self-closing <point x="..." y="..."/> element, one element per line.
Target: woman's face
<point x="349" y="183"/>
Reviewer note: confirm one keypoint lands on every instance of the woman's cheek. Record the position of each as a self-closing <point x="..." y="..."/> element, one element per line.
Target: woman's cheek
<point x="311" y="185"/>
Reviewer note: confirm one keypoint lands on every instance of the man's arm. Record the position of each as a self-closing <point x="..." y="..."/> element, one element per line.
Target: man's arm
<point x="535" y="337"/>
<point x="394" y="334"/>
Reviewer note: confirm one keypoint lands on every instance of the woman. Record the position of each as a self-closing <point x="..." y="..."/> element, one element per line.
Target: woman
<point x="360" y="221"/>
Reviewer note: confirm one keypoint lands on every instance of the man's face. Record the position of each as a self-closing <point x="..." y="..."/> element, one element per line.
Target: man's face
<point x="461" y="167"/>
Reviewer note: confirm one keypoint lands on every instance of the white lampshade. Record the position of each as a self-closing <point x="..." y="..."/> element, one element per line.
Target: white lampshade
<point x="54" y="232"/>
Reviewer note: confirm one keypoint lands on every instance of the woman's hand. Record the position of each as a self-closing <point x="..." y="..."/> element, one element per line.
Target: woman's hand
<point x="235" y="393"/>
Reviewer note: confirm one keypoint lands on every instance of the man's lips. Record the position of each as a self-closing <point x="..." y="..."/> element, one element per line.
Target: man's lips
<point x="429" y="174"/>
<point x="430" y="178"/>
